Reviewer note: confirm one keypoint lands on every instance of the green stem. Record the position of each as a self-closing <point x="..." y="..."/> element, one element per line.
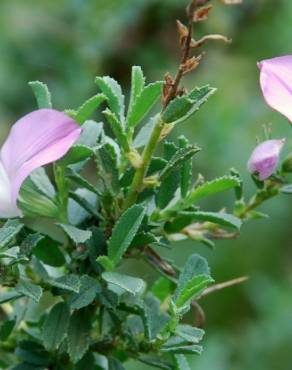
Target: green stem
<point x="258" y="199"/>
<point x="137" y="183"/>
<point x="63" y="191"/>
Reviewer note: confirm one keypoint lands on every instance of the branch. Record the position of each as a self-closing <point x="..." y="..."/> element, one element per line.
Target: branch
<point x="220" y="286"/>
<point x="186" y="53"/>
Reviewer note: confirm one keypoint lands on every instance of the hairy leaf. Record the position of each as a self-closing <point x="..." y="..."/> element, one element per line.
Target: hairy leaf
<point x="78" y="335"/>
<point x="117" y="129"/>
<point x="124" y="232"/>
<point x="75" y="234"/>
<point x="8" y="231"/>
<point x="41" y="93"/>
<point x="55" y="326"/>
<point x="186" y="218"/>
<point x="112" y="90"/>
<point x="30" y="290"/>
<point x="143" y="103"/>
<point x="137" y="85"/>
<point x="128" y="283"/>
<point x="193" y="279"/>
<point x="88" y="108"/>
<point x="89" y="288"/>
<point x="182" y="107"/>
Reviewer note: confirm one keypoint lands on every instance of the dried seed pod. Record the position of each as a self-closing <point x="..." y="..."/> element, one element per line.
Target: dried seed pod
<point x="231" y="2"/>
<point x="204" y="39"/>
<point x="182" y="31"/>
<point x="202" y="13"/>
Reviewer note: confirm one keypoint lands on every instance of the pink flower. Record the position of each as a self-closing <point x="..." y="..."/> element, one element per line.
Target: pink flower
<point x="40" y="137"/>
<point x="276" y="83"/>
<point x="264" y="159"/>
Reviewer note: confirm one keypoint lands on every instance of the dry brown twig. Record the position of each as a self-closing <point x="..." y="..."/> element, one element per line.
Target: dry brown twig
<point x="197" y="11"/>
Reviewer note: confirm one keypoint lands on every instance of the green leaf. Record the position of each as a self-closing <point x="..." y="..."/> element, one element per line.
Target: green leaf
<point x="115" y="364"/>
<point x="211" y="188"/>
<point x="33" y="354"/>
<point x="169" y="184"/>
<point x="6" y="328"/>
<point x="137" y="85"/>
<point x="88" y="108"/>
<point x="186" y="218"/>
<point x="89" y="288"/>
<point x="128" y="283"/>
<point x="34" y="203"/>
<point x="76" y="154"/>
<point x="55" y="326"/>
<point x="41" y="93"/>
<point x="8" y="232"/>
<point x="143" y="135"/>
<point x="112" y="90"/>
<point x="182" y="107"/>
<point x="67" y="282"/>
<point x="124" y="232"/>
<point x="117" y="129"/>
<point x="187" y="350"/>
<point x="91" y="133"/>
<point x="154" y="319"/>
<point x="75" y="234"/>
<point x="143" y="103"/>
<point x="287" y="189"/>
<point x="30" y="290"/>
<point x="47" y="250"/>
<point x="167" y="190"/>
<point x="8" y="296"/>
<point x="89" y="362"/>
<point x="41" y="180"/>
<point x="186" y="170"/>
<point x="156" y="362"/>
<point x="81" y="181"/>
<point x="177" y="160"/>
<point x="205" y="190"/>
<point x="82" y="204"/>
<point x="194" y="278"/>
<point x="181" y="362"/>
<point x="109" y="168"/>
<point x="78" y="335"/>
<point x="189" y="333"/>
<point x="162" y="288"/>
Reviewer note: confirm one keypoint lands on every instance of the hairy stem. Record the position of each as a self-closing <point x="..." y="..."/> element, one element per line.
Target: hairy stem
<point x="137" y="183"/>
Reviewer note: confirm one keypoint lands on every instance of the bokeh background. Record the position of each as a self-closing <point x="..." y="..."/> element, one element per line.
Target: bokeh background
<point x="66" y="43"/>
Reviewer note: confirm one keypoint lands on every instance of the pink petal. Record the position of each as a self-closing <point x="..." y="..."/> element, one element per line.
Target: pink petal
<point x="265" y="157"/>
<point x="276" y="83"/>
<point x="40" y="137"/>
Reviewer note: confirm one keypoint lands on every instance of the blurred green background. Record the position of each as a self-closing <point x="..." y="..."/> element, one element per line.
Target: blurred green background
<point x="66" y="43"/>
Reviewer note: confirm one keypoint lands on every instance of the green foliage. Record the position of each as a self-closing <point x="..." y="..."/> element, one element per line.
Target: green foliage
<point x="88" y="108"/>
<point x="8" y="232"/>
<point x="193" y="279"/>
<point x="30" y="290"/>
<point x="42" y="94"/>
<point x="112" y="90"/>
<point x="78" y="335"/>
<point x="124" y="232"/>
<point x="109" y="200"/>
<point x="127" y="283"/>
<point x="143" y="103"/>
<point x="55" y="326"/>
<point x="182" y="107"/>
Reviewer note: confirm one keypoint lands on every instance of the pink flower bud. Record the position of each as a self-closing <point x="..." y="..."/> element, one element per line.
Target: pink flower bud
<point x="264" y="159"/>
<point x="276" y="83"/>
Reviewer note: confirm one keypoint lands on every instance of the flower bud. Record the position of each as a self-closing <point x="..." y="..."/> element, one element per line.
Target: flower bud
<point x="264" y="159"/>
